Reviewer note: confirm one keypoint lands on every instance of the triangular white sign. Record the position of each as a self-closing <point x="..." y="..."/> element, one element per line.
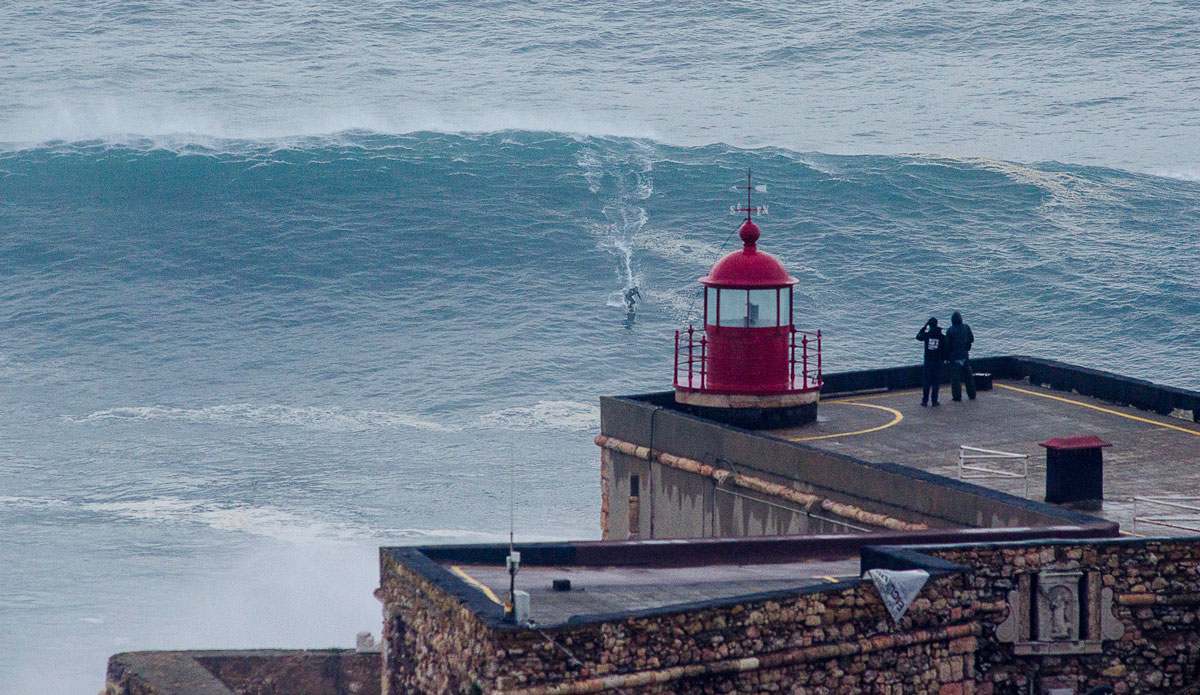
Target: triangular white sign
<point x="898" y="588"/>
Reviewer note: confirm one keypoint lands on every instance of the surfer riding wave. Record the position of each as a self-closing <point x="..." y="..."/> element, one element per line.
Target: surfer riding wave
<point x="631" y="297"/>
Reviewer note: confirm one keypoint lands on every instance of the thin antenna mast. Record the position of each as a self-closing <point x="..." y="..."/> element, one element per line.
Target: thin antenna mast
<point x="514" y="558"/>
<point x="512" y="493"/>
<point x="749" y="188"/>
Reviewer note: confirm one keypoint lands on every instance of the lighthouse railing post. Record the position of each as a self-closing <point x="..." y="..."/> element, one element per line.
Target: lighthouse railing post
<point x="703" y="362"/>
<point x="820" y="380"/>
<point x="691" y="357"/>
<point x="792" y="360"/>
<point x="675" y="374"/>
<point x="804" y="371"/>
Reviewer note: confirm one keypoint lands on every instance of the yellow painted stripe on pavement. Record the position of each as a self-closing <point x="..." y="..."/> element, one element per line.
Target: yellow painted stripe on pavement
<point x="889" y="394"/>
<point x="1103" y="410"/>
<point x="475" y="583"/>
<point x="897" y="416"/>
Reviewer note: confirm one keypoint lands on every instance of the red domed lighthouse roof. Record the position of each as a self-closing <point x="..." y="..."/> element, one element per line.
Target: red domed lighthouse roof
<point x="748" y="267"/>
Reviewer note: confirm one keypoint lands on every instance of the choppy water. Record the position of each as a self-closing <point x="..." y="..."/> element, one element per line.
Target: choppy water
<point x="263" y="309"/>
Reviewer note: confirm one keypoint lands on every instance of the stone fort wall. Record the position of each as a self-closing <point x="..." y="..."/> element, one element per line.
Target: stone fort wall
<point x="244" y="672"/>
<point x="838" y="640"/>
<point x="435" y="639"/>
<point x="974" y="628"/>
<point x="1154" y="592"/>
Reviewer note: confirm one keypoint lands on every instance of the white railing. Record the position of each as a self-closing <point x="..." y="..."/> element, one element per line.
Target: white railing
<point x="975" y="471"/>
<point x="1189" y="521"/>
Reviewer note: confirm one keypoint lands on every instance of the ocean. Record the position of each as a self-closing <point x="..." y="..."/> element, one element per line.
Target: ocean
<point x="288" y="281"/>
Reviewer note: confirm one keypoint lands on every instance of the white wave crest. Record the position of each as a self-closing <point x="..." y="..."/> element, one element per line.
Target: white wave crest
<point x="262" y="520"/>
<point x="256" y="520"/>
<point x="1063" y="188"/>
<point x="559" y="415"/>
<point x="31" y="502"/>
<point x="178" y="126"/>
<point x="308" y="417"/>
<point x="1184" y="175"/>
<point x="593" y="170"/>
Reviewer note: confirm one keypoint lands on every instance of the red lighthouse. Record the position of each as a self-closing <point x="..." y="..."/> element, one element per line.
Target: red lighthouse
<point x="749" y="366"/>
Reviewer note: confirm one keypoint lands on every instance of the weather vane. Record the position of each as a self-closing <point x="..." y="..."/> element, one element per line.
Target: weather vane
<point x="750" y="209"/>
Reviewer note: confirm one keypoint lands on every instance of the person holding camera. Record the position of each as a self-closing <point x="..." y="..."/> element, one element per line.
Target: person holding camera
<point x="935" y="352"/>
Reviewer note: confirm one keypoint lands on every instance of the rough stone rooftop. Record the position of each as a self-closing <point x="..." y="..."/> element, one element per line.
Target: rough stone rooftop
<point x="615" y="589"/>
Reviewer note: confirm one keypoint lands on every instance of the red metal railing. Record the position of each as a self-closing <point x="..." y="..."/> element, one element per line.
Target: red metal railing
<point x="691" y="360"/>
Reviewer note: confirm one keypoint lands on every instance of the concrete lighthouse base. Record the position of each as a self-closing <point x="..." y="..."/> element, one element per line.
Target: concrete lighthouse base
<point x="751" y="412"/>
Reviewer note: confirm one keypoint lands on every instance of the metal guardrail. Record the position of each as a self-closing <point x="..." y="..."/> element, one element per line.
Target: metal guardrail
<point x="692" y="358"/>
<point x="1189" y="521"/>
<point x="974" y="471"/>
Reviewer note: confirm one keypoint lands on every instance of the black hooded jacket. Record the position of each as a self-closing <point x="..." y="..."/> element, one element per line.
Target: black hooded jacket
<point x="935" y="344"/>
<point x="959" y="338"/>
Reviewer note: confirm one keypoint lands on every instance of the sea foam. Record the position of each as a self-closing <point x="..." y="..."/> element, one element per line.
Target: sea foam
<point x="562" y="415"/>
<point x="249" y="414"/>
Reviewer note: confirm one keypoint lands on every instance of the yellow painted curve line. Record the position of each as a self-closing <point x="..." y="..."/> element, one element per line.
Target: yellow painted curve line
<point x="1103" y="410"/>
<point x="476" y="583"/>
<point x="897" y="417"/>
<point x="889" y="394"/>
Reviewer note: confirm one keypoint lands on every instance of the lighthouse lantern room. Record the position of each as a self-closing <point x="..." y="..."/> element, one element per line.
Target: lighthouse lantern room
<point x="749" y="366"/>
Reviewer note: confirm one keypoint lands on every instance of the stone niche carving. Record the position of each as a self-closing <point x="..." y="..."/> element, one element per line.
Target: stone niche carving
<point x="1058" y="605"/>
<point x="1059" y="611"/>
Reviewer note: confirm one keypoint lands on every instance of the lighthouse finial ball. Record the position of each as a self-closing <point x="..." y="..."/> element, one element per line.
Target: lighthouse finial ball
<point x="749" y="233"/>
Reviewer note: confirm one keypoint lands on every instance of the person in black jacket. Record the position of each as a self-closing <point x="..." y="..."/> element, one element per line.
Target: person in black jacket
<point x="631" y="297"/>
<point x="935" y="351"/>
<point x="958" y="342"/>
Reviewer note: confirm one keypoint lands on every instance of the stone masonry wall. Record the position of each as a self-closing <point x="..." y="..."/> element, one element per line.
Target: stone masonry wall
<point x="1139" y="632"/>
<point x="122" y="680"/>
<point x="840" y="641"/>
<point x="825" y="642"/>
<point x="1156" y="596"/>
<point x="311" y="673"/>
<point x="433" y="643"/>
<point x="244" y="672"/>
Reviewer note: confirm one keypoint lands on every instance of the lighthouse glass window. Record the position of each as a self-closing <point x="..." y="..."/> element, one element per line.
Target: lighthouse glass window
<point x="763" y="310"/>
<point x="733" y="308"/>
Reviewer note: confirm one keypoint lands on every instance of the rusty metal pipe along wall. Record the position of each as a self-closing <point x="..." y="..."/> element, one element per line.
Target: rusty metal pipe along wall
<point x="722" y="476"/>
<point x="775" y="660"/>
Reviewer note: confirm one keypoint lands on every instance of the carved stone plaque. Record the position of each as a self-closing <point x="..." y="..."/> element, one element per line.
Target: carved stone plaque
<point x="1047" y="620"/>
<point x="1058" y="605"/>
